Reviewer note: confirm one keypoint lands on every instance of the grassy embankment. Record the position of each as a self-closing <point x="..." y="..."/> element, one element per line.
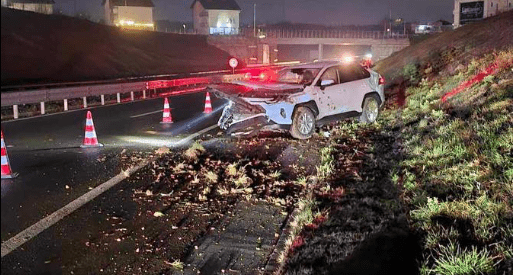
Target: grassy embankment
<point x="457" y="175"/>
<point x="455" y="168"/>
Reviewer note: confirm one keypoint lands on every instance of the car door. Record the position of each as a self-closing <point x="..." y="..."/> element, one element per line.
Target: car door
<point x="354" y="84"/>
<point x="327" y="94"/>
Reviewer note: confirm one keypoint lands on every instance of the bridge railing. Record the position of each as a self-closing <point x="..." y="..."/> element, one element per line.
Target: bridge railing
<point x="327" y="33"/>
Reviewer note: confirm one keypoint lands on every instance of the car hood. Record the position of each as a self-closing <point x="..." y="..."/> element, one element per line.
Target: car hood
<point x="268" y="86"/>
<point x="254" y="90"/>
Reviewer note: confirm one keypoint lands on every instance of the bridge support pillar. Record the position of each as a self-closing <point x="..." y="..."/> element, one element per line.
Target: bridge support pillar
<point x="15" y="111"/>
<point x="320" y="52"/>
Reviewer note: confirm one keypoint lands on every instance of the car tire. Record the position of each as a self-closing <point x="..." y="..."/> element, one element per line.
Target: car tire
<point x="303" y="123"/>
<point x="370" y="110"/>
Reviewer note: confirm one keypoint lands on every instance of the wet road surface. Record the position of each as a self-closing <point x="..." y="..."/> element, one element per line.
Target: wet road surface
<point x="54" y="170"/>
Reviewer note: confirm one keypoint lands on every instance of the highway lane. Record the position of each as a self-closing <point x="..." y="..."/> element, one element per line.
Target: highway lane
<point x="54" y="170"/>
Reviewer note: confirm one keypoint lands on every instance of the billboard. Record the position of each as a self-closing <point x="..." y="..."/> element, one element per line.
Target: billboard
<point x="471" y="11"/>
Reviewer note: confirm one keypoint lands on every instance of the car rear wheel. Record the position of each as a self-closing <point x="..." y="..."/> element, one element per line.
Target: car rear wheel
<point x="303" y="123"/>
<point x="370" y="110"/>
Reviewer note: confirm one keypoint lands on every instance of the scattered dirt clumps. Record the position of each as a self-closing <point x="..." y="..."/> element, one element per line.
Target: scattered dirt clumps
<point x="183" y="195"/>
<point x="366" y="231"/>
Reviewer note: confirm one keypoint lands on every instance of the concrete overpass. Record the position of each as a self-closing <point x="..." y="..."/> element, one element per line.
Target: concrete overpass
<point x="382" y="44"/>
<point x="264" y="48"/>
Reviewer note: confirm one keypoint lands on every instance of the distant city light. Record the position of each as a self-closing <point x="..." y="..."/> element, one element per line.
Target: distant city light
<point x="126" y="22"/>
<point x="133" y="24"/>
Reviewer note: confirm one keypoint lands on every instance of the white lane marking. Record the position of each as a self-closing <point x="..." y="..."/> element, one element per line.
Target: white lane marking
<point x="145" y="114"/>
<point x="40" y="226"/>
<point x="27" y="234"/>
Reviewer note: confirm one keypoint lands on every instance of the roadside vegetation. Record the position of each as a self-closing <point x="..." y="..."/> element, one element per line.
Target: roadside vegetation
<point x="443" y="147"/>
<point x="456" y="178"/>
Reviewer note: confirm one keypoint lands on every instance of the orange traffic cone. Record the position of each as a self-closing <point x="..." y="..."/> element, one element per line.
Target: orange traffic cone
<point x="6" y="168"/>
<point x="166" y="116"/>
<point x="208" y="104"/>
<point x="90" y="139"/>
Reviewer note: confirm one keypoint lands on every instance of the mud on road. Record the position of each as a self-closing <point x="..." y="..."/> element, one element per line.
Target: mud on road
<point x="158" y="218"/>
<point x="181" y="198"/>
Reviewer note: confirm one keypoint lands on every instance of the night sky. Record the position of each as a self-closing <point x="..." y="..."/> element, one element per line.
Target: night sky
<point x="327" y="12"/>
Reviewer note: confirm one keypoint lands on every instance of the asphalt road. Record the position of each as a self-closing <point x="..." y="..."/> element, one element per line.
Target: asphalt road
<point x="54" y="170"/>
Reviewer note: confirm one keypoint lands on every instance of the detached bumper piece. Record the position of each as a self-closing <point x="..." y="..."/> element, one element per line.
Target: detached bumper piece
<point x="249" y="126"/>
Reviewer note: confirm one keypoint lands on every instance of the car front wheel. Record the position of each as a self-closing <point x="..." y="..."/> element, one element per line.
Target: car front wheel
<point x="370" y="110"/>
<point x="303" y="123"/>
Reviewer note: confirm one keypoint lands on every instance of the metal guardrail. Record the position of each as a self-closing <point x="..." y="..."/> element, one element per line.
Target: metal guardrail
<point x="43" y="93"/>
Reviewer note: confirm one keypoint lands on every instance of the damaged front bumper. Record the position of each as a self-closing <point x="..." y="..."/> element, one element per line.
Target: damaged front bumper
<point x="234" y="122"/>
<point x="251" y="110"/>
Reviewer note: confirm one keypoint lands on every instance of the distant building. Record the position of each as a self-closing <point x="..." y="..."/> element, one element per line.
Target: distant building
<point x="216" y="17"/>
<point x="129" y="14"/>
<point x="39" y="6"/>
<point x="467" y="11"/>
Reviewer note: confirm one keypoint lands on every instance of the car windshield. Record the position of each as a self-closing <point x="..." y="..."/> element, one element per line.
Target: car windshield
<point x="297" y="75"/>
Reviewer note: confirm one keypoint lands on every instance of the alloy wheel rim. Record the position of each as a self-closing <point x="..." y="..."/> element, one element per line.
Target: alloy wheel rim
<point x="305" y="124"/>
<point x="372" y="110"/>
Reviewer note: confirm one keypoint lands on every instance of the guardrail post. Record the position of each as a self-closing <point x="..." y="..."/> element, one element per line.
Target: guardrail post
<point x="132" y="96"/>
<point x="42" y="107"/>
<point x="65" y="104"/>
<point x="102" y="98"/>
<point x="144" y="94"/>
<point x="15" y="112"/>
<point x="85" y="101"/>
<point x="118" y="98"/>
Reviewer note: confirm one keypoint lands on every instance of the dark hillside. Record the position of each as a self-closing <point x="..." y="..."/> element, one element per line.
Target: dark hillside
<point x="51" y="48"/>
<point x="465" y="43"/>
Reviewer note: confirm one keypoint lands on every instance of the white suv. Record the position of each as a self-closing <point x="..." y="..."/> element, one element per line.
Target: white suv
<point x="302" y="97"/>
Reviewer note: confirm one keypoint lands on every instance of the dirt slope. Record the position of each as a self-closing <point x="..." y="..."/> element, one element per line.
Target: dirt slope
<point x="51" y="48"/>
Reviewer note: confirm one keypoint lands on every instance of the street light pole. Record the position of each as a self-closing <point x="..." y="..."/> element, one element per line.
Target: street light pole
<point x="254" y="20"/>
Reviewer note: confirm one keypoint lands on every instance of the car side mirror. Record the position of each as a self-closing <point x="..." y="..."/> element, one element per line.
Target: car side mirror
<point x="326" y="82"/>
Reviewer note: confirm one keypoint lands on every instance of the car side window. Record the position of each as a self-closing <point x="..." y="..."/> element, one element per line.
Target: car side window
<point x="330" y="74"/>
<point x="364" y="73"/>
<point x="350" y="73"/>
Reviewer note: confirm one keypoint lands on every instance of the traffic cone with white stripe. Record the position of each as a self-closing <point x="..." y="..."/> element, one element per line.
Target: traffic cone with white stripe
<point x="90" y="139"/>
<point x="6" y="167"/>
<point x="208" y="104"/>
<point x="166" y="115"/>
